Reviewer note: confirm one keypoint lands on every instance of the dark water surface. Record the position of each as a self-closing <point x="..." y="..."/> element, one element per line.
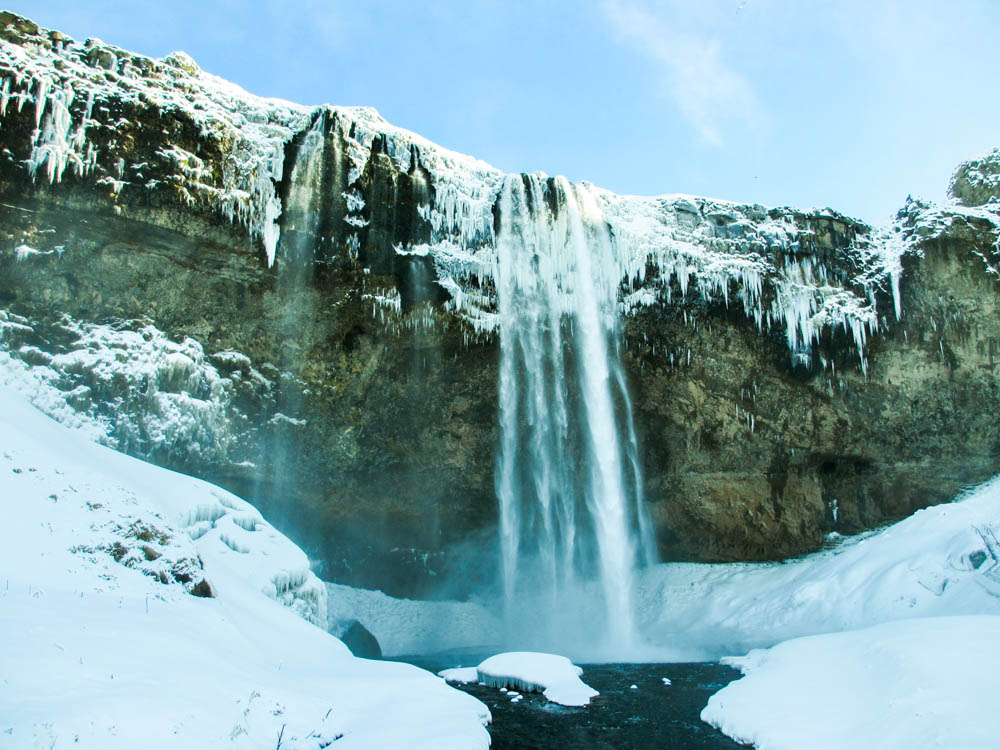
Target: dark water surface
<point x="653" y="716"/>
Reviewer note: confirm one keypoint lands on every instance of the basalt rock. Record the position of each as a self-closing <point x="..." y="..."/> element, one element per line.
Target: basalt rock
<point x="298" y="303"/>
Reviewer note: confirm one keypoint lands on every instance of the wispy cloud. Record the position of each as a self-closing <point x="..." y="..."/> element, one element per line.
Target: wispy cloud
<point x="709" y="93"/>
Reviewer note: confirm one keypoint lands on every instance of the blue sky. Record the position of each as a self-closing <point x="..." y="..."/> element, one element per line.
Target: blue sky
<point x="852" y="104"/>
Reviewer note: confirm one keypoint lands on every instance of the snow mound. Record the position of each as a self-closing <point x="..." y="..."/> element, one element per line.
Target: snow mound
<point x="556" y="677"/>
<point x="104" y="646"/>
<point x="923" y="683"/>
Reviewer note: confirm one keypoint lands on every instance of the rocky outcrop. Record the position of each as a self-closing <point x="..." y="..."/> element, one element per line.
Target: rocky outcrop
<point x="977" y="181"/>
<point x="298" y="303"/>
<point x="751" y="457"/>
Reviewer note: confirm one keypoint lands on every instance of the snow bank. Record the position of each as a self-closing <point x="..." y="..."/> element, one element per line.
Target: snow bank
<point x="104" y="646"/>
<point x="923" y="683"/>
<point x="943" y="560"/>
<point x="556" y="677"/>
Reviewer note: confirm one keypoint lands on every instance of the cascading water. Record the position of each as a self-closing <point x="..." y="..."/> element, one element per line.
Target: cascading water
<point x="296" y="257"/>
<point x="569" y="485"/>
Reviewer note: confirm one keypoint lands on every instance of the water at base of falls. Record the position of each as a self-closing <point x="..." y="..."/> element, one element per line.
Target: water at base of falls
<point x="573" y="524"/>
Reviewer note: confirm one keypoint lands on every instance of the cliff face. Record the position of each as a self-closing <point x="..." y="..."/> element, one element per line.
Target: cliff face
<point x="300" y="304"/>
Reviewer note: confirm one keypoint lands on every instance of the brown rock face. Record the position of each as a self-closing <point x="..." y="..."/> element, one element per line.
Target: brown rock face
<point x="347" y="392"/>
<point x="748" y="457"/>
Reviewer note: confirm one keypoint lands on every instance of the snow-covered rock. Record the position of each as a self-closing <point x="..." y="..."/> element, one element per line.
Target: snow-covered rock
<point x="87" y="99"/>
<point x="977" y="181"/>
<point x="463" y="675"/>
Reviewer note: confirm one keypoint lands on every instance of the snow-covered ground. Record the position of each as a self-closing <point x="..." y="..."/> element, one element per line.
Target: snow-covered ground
<point x="941" y="561"/>
<point x="103" y="645"/>
<point x="906" y="621"/>
<point x="928" y="682"/>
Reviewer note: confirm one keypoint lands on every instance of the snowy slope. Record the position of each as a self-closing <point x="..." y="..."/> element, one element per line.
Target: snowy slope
<point x="908" y="618"/>
<point x="911" y="684"/>
<point x="103" y="646"/>
<point x="943" y="560"/>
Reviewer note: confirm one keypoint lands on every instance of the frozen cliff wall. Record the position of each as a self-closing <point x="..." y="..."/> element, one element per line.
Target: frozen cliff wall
<point x="329" y="280"/>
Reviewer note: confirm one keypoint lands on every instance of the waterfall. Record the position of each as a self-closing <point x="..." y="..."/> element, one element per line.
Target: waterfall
<point x="296" y="254"/>
<point x="568" y="477"/>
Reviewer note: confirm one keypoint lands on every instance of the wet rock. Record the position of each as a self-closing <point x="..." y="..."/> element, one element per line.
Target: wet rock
<point x="358" y="639"/>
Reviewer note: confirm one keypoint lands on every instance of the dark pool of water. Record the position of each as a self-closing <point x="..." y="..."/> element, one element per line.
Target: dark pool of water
<point x="651" y="716"/>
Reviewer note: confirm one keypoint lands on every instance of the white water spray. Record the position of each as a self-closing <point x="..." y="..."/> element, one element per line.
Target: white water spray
<point x="569" y="486"/>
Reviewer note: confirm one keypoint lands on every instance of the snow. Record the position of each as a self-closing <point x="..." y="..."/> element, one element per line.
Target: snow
<point x="556" y="677"/>
<point x="914" y="664"/>
<point x="921" y="683"/>
<point x="943" y="560"/>
<point x="127" y="384"/>
<point x="462" y="675"/>
<point x="104" y="647"/>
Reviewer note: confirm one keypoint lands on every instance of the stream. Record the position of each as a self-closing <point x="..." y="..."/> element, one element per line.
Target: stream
<point x="652" y="715"/>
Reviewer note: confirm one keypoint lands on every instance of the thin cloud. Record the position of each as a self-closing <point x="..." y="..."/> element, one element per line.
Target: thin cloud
<point x="707" y="91"/>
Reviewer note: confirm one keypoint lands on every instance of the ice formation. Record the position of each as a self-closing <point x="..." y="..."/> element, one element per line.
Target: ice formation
<point x="127" y="384"/>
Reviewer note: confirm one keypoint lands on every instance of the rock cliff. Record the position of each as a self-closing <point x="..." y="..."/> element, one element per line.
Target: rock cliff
<point x="300" y="304"/>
